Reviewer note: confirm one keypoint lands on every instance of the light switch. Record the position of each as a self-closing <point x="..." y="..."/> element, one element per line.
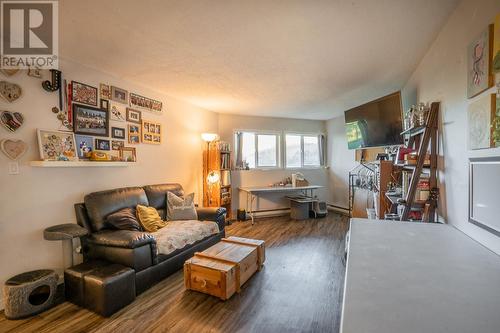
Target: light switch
<point x="13" y="168"/>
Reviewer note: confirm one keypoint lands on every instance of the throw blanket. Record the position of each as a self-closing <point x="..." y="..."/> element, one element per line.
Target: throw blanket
<point x="177" y="234"/>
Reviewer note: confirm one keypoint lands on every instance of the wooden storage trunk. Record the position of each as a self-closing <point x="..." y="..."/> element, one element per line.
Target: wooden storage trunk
<point x="222" y="269"/>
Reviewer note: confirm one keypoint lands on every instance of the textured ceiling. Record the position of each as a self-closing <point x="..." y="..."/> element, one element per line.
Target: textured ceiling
<point x="282" y="58"/>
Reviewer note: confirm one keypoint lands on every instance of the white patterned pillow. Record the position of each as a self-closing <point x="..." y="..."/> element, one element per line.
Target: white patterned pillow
<point x="180" y="208"/>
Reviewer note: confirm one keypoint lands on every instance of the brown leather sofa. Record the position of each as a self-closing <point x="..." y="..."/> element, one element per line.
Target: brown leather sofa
<point x="135" y="249"/>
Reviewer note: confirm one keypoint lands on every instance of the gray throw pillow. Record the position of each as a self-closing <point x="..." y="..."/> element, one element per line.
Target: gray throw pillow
<point x="124" y="219"/>
<point x="180" y="208"/>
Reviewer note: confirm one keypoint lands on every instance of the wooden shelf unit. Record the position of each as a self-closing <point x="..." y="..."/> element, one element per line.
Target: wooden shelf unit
<point x="220" y="194"/>
<point x="424" y="140"/>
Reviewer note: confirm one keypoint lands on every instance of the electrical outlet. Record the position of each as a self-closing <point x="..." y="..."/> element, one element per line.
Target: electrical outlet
<point x="13" y="168"/>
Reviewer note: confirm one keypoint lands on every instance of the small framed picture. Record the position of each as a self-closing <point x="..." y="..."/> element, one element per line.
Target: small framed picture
<point x="117" y="133"/>
<point x="56" y="145"/>
<point x="90" y="121"/>
<point x="117" y="144"/>
<point x="127" y="154"/>
<point x="134" y="134"/>
<point x="119" y="95"/>
<point x="104" y="91"/>
<point x="104" y="104"/>
<point x="34" y="71"/>
<point x="83" y="93"/>
<point x="134" y="116"/>
<point x="151" y="132"/>
<point x="145" y="103"/>
<point x="116" y="114"/>
<point x="101" y="144"/>
<point x="84" y="146"/>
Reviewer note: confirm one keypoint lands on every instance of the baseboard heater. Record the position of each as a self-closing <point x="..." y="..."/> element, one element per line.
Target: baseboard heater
<point x="339" y="209"/>
<point x="271" y="212"/>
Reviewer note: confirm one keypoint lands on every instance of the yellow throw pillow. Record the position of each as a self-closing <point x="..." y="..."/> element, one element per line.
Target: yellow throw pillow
<point x="149" y="218"/>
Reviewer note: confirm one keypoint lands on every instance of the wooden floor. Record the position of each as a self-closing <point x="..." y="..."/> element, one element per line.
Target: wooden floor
<point x="299" y="290"/>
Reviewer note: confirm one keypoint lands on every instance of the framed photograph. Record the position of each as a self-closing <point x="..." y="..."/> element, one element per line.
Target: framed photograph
<point x="104" y="91"/>
<point x="151" y="132"/>
<point x="34" y="71"/>
<point x="117" y="133"/>
<point x="117" y="114"/>
<point x="127" y="154"/>
<point x="134" y="116"/>
<point x="117" y="144"/>
<point x="145" y="103"/>
<point x="119" y="95"/>
<point x="84" y="146"/>
<point x="481" y="122"/>
<point x="56" y="145"/>
<point x="104" y="104"/>
<point x="479" y="69"/>
<point x="101" y="144"/>
<point x="83" y="93"/>
<point x="134" y="134"/>
<point x="90" y="121"/>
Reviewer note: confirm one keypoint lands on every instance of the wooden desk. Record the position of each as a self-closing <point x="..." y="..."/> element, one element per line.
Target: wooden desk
<point x="253" y="192"/>
<point x="418" y="277"/>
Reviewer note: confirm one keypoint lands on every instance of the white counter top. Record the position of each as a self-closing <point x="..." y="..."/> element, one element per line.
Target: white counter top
<point x="405" y="277"/>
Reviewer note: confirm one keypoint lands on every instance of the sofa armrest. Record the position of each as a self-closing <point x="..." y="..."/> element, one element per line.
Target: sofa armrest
<point x="121" y="238"/>
<point x="216" y="214"/>
<point x="135" y="249"/>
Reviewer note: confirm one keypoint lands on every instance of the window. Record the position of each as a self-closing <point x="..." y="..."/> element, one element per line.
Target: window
<point x="264" y="150"/>
<point x="267" y="150"/>
<point x="293" y="151"/>
<point x="258" y="150"/>
<point x="302" y="151"/>
<point x="311" y="151"/>
<point x="248" y="149"/>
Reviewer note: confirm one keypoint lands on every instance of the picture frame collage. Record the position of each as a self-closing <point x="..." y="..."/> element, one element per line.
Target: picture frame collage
<point x="483" y="110"/>
<point x="104" y="120"/>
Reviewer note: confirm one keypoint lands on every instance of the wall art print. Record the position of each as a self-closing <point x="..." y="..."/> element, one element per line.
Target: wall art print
<point x="481" y="115"/>
<point x="145" y="103"/>
<point x="56" y="145"/>
<point x="83" y="93"/>
<point x="479" y="52"/>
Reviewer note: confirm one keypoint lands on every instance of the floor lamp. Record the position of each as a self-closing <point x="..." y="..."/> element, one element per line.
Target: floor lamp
<point x="212" y="176"/>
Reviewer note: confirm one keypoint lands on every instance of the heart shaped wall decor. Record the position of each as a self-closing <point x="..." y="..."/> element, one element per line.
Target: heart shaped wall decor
<point x="9" y="72"/>
<point x="11" y="120"/>
<point x="13" y="149"/>
<point x="10" y="91"/>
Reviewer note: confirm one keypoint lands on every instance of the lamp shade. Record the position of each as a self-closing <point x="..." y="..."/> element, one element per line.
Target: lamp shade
<point x="213" y="177"/>
<point x="208" y="137"/>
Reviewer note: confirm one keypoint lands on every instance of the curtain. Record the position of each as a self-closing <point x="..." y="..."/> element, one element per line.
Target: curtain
<point x="322" y="150"/>
<point x="239" y="149"/>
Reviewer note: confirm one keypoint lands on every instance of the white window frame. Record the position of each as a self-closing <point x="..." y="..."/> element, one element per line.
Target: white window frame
<point x="278" y="147"/>
<point x="302" y="135"/>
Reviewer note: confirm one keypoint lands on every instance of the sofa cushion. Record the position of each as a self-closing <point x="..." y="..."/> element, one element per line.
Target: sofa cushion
<point x="124" y="219"/>
<point x="178" y="234"/>
<point x="180" y="208"/>
<point x="157" y="196"/>
<point x="100" y="204"/>
<point x="149" y="218"/>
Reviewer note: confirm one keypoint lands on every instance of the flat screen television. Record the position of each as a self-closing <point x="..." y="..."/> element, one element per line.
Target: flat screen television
<point x="375" y="124"/>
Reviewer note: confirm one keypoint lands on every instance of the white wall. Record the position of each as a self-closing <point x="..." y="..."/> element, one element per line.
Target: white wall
<point x="229" y="123"/>
<point x="41" y="197"/>
<point x="441" y="76"/>
<point x="340" y="160"/>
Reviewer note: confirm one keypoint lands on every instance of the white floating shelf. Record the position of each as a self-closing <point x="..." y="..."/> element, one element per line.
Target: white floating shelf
<point x="79" y="164"/>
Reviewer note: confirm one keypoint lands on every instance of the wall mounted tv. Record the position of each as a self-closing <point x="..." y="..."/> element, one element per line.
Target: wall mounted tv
<point x="375" y="124"/>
